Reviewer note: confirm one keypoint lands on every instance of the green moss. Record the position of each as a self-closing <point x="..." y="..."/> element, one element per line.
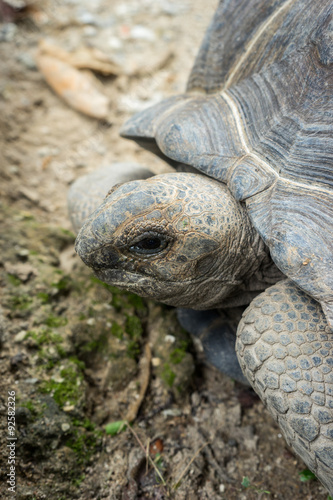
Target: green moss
<point x="167" y="375"/>
<point x="78" y="481"/>
<point x="121" y="299"/>
<point x="13" y="280"/>
<point x="133" y="349"/>
<point x="97" y="345"/>
<point x="178" y="354"/>
<point x="45" y="336"/>
<point x="65" y="284"/>
<point x="86" y="424"/>
<point x="118" y="302"/>
<point x="112" y="289"/>
<point x="44" y="297"/>
<point x="80" y="364"/>
<point x="30" y="405"/>
<point x="137" y="302"/>
<point x="117" y="331"/>
<point x="44" y="339"/>
<point x="85" y="440"/>
<point x="36" y="410"/>
<point x="25" y="216"/>
<point x="56" y="321"/>
<point x="69" y="390"/>
<point x="133" y="327"/>
<point x="68" y="233"/>
<point x="20" y="302"/>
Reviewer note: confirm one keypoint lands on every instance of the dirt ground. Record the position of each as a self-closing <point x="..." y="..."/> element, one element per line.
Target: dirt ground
<point x="74" y="351"/>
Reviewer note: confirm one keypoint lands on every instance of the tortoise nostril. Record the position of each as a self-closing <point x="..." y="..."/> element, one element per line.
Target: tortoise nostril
<point x="102" y="258"/>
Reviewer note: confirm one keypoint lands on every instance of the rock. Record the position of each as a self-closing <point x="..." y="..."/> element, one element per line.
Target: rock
<point x="8" y="32"/>
<point x="27" y="60"/>
<point x="142" y="33"/>
<point x="20" y="336"/>
<point x="22" y="271"/>
<point x="16" y="360"/>
<point x="29" y="194"/>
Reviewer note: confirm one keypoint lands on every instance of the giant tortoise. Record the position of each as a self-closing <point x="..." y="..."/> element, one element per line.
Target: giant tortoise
<point x="246" y="218"/>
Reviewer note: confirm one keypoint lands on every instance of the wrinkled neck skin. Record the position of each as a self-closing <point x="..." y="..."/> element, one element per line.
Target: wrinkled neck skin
<point x="203" y="250"/>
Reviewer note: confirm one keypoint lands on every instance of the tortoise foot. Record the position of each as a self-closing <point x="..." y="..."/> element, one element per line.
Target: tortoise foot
<point x="285" y="349"/>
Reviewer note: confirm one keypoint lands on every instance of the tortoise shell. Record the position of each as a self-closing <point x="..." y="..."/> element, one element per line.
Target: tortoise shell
<point x="257" y="115"/>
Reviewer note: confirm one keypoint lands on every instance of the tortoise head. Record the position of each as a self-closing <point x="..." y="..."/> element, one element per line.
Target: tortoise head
<point x="179" y="238"/>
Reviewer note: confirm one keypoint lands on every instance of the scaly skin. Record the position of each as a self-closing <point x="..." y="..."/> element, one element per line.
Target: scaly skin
<point x="285" y="349"/>
<point x="209" y="249"/>
<point x="184" y="240"/>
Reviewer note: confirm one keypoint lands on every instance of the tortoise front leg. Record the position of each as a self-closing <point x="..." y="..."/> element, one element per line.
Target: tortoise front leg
<point x="217" y="334"/>
<point x="285" y="349"/>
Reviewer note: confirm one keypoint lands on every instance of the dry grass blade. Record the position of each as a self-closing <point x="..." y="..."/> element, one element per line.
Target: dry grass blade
<point x="176" y="484"/>
<point x="152" y="463"/>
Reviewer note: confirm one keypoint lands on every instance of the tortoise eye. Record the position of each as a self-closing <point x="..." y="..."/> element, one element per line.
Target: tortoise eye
<point x="150" y="245"/>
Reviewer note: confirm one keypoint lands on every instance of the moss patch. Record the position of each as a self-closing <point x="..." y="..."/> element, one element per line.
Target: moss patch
<point x="84" y="441"/>
<point x="68" y="388"/>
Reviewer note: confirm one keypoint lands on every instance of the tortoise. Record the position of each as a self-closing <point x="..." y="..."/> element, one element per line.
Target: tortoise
<point x="246" y="218"/>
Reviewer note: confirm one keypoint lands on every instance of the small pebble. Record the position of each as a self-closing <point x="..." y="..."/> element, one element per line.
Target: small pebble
<point x="90" y="31"/>
<point x="172" y="412"/>
<point x="31" y="381"/>
<point x="8" y="32"/>
<point x="142" y="33"/>
<point x="115" y="43"/>
<point x="86" y="17"/>
<point x="156" y="361"/>
<point x="17" y="4"/>
<point x="23" y="252"/>
<point x="20" y="336"/>
<point x="65" y="427"/>
<point x="68" y="408"/>
<point x="195" y="399"/>
<point x="48" y="151"/>
<point x="170" y="338"/>
<point x="13" y="169"/>
<point x="27" y="60"/>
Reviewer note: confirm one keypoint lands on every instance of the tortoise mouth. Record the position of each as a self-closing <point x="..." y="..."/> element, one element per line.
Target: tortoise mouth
<point x="178" y="293"/>
<point x="145" y="286"/>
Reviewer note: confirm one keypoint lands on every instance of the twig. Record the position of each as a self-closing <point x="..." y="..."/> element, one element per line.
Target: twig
<point x="144" y="381"/>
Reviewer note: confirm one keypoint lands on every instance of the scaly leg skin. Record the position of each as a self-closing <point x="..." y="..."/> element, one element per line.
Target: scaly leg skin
<point x="87" y="192"/>
<point x="285" y="349"/>
<point x="218" y="337"/>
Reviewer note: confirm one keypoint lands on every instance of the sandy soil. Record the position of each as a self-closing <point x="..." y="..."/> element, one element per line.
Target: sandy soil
<point x="73" y="350"/>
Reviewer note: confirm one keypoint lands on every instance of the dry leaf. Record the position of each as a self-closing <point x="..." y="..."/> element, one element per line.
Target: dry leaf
<point x="73" y="86"/>
<point x="84" y="58"/>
